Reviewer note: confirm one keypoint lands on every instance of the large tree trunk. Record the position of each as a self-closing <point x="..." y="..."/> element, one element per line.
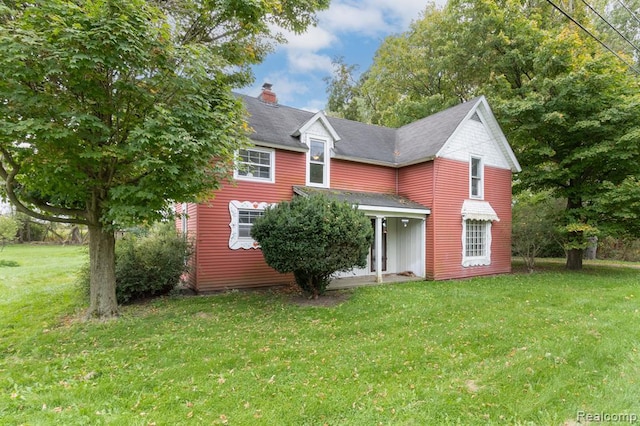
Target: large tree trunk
<point x="574" y="259"/>
<point x="574" y="255"/>
<point x="102" y="261"/>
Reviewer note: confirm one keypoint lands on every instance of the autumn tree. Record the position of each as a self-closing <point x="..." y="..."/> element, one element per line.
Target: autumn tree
<point x="111" y="110"/>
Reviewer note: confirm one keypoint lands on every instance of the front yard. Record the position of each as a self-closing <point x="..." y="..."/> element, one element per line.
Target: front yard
<point x="544" y="348"/>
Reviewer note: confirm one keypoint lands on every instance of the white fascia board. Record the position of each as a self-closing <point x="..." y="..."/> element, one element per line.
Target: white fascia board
<point x="279" y="146"/>
<point x="325" y="122"/>
<point x="496" y="130"/>
<point x="395" y="211"/>
<point x="364" y="161"/>
<point x="493" y="127"/>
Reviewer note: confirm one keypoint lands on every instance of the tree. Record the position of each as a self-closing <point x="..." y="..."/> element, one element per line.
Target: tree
<point x="534" y="223"/>
<point x="577" y="129"/>
<point x="619" y="26"/>
<point x="313" y="237"/>
<point x="568" y="107"/>
<point x="8" y="228"/>
<point x="110" y="111"/>
<point x="342" y="89"/>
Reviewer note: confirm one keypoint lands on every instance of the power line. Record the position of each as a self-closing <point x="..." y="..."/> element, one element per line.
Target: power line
<point x="630" y="11"/>
<point x="611" y="26"/>
<point x="633" y="68"/>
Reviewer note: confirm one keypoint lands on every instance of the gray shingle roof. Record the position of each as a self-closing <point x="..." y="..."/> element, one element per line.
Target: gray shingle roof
<point x="423" y="139"/>
<point x="362" y="198"/>
<point x="418" y="141"/>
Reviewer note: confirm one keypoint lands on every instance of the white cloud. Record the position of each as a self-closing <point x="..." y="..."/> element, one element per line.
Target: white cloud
<point x="346" y="18"/>
<point x="371" y="17"/>
<point x="400" y="13"/>
<point x="307" y="57"/>
<point x="304" y="62"/>
<point x="314" y="105"/>
<point x="314" y="39"/>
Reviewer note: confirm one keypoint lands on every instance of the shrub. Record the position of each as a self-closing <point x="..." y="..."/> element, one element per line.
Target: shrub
<point x="313" y="237"/>
<point x="535" y="229"/>
<point x="147" y="265"/>
<point x="8" y="229"/>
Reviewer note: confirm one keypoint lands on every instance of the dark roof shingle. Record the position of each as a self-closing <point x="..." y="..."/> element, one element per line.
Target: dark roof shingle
<point x="418" y="141"/>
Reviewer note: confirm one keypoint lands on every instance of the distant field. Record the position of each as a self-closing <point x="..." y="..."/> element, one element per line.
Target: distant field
<point x="542" y="349"/>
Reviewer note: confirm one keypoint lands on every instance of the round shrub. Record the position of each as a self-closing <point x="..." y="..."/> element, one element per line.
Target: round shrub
<point x="313" y="237"/>
<point x="147" y="265"/>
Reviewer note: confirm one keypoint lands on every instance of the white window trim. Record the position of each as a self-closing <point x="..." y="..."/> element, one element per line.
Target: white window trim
<point x="184" y="220"/>
<point x="272" y="156"/>
<point x="327" y="162"/>
<point x="235" y="241"/>
<point x="484" y="260"/>
<point x="480" y="196"/>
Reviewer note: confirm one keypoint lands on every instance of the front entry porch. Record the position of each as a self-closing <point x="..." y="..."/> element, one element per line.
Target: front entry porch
<point x="368" y="280"/>
<point x="399" y="247"/>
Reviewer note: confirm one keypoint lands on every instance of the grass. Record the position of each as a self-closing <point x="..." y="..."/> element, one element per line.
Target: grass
<point x="515" y="349"/>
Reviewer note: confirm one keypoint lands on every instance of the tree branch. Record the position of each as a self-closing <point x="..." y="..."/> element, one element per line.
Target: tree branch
<point x="56" y="214"/>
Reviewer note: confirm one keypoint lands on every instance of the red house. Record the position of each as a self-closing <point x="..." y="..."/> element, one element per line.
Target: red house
<point x="438" y="192"/>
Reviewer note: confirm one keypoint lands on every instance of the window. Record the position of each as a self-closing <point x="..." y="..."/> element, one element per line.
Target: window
<point x="255" y="164"/>
<point x="476" y="245"/>
<point x="476" y="239"/>
<point x="317" y="162"/>
<point x="475" y="173"/>
<point x="246" y="218"/>
<point x="243" y="216"/>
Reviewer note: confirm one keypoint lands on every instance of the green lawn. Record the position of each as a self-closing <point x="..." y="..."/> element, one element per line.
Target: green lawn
<point x="516" y="349"/>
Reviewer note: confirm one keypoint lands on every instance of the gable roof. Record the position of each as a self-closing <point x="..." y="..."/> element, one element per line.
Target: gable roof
<point x="280" y="126"/>
<point x="423" y="139"/>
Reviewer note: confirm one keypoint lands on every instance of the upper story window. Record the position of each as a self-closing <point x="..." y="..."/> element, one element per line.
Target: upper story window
<point x="317" y="171"/>
<point x="256" y="164"/>
<point x="476" y="178"/>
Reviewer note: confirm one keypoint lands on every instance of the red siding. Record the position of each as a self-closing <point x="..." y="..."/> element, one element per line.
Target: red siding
<point x="362" y="177"/>
<point x="416" y="183"/>
<point x="444" y="229"/>
<point x="441" y="184"/>
<point x="217" y="266"/>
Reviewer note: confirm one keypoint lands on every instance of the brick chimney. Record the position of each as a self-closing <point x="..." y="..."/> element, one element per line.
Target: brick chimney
<point x="267" y="96"/>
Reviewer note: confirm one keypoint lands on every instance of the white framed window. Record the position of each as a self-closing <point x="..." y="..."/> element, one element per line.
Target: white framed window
<point x="476" y="242"/>
<point x="476" y="178"/>
<point x="256" y="164"/>
<point x="243" y="215"/>
<point x="317" y="162"/>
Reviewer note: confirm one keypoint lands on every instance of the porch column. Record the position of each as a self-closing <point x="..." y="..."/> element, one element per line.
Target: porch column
<point x="378" y="246"/>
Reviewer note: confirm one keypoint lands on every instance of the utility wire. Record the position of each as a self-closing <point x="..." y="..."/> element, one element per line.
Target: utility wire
<point x="630" y="11"/>
<point x="611" y="26"/>
<point x="633" y="68"/>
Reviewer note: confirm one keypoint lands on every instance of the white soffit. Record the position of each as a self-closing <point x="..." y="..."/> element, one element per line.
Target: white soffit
<point x="478" y="210"/>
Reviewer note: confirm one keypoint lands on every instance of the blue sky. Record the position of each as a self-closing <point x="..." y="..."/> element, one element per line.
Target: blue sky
<point x="349" y="28"/>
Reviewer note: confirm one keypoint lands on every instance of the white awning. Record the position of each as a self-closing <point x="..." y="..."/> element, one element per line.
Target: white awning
<point x="478" y="210"/>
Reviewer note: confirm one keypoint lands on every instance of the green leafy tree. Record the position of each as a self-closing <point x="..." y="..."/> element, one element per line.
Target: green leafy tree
<point x="568" y="107"/>
<point x="313" y="237"/>
<point x="8" y="228"/>
<point x="619" y="26"/>
<point x="535" y="225"/>
<point x="342" y="89"/>
<point x="112" y="110"/>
